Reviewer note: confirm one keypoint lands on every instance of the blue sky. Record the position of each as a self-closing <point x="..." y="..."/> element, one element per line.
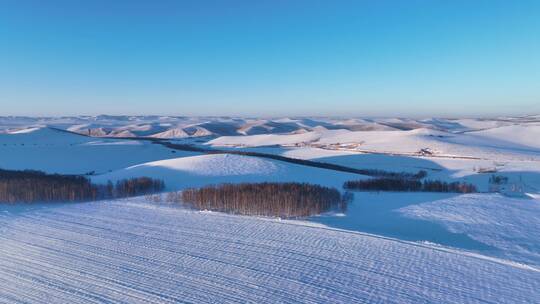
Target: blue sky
<point x="270" y="58"/>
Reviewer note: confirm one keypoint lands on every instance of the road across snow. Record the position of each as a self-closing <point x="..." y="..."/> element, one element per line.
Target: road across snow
<point x="133" y="252"/>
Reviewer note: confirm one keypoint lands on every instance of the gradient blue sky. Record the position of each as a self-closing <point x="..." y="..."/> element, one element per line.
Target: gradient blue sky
<point x="270" y="58"/>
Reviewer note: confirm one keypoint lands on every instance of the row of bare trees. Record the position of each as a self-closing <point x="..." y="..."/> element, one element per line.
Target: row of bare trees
<point x="440" y="186"/>
<point x="264" y="199"/>
<point x="405" y="184"/>
<point x="37" y="186"/>
<point x="32" y="186"/>
<point x="135" y="186"/>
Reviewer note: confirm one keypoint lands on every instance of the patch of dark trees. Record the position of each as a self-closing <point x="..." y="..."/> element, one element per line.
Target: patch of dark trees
<point x="134" y="187"/>
<point x="304" y="162"/>
<point x="408" y="185"/>
<point x="36" y="186"/>
<point x="284" y="200"/>
<point x="498" y="179"/>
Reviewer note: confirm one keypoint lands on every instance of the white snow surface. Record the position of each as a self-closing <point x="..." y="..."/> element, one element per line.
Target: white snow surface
<point x="133" y="252"/>
<point x="130" y="251"/>
<point x="202" y="170"/>
<point x="215" y="165"/>
<point x="524" y="135"/>
<point x="57" y="151"/>
<point x="171" y="133"/>
<point x="510" y="225"/>
<point x="503" y="143"/>
<point x="265" y="139"/>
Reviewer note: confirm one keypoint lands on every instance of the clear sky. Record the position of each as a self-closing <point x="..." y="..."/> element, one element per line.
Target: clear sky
<point x="270" y="58"/>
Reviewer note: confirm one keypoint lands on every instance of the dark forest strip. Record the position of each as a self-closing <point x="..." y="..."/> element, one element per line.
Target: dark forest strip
<point x="408" y="185"/>
<point x="36" y="186"/>
<point x="264" y="199"/>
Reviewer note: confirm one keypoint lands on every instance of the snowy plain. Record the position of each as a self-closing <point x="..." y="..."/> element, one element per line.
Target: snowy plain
<point x="130" y="252"/>
<point x="387" y="247"/>
<point x="510" y="225"/>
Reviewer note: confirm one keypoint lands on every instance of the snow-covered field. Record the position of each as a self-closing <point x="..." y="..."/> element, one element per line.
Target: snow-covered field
<point x="512" y="226"/>
<point x="387" y="247"/>
<point x="127" y="252"/>
<point x="55" y="151"/>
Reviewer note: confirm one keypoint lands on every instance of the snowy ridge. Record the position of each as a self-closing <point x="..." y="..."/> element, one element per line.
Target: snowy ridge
<point x="215" y="165"/>
<point x="41" y="136"/>
<point x="196" y="171"/>
<point x="491" y="144"/>
<point x="118" y="252"/>
<point x="177" y="126"/>
<point x="58" y="151"/>
<point x="265" y="139"/>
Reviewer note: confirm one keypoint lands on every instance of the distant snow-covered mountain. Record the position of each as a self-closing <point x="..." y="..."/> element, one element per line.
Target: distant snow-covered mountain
<point x="182" y="127"/>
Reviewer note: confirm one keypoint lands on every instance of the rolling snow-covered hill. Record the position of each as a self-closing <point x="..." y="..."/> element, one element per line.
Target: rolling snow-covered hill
<point x="180" y="127"/>
<point x="56" y="151"/>
<point x="196" y="171"/>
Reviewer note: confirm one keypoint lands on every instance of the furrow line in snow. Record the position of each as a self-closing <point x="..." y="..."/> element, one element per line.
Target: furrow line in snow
<point x="73" y="249"/>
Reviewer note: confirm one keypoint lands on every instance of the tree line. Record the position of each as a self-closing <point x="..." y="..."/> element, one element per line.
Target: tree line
<point x="264" y="199"/>
<point x="36" y="186"/>
<point x="410" y="185"/>
<point x="135" y="187"/>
